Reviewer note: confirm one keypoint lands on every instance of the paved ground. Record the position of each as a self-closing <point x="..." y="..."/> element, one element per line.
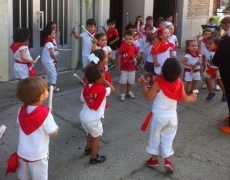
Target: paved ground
<point x="201" y="150"/>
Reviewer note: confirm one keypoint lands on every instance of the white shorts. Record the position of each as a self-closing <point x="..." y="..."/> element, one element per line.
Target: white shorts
<point x="158" y="70"/>
<point x="33" y="170"/>
<point x="192" y="76"/>
<point x="85" y="61"/>
<point x="127" y="77"/>
<point x="93" y="127"/>
<point x="162" y="133"/>
<point x="21" y="71"/>
<point x="51" y="73"/>
<point x="114" y="54"/>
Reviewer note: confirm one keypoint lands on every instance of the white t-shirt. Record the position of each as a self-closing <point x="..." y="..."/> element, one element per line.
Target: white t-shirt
<point x="150" y="56"/>
<point x="35" y="146"/>
<point x="167" y="23"/>
<point x="173" y="39"/>
<point x="164" y="106"/>
<point x="209" y="55"/>
<point x="107" y="49"/>
<point x="46" y="58"/>
<point x="87" y="43"/>
<point x="161" y="57"/>
<point x="143" y="44"/>
<point x="202" y="47"/>
<point x="17" y="54"/>
<point x="192" y="60"/>
<point x="88" y="114"/>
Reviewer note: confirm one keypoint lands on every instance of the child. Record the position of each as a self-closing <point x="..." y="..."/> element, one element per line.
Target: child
<point x="166" y="91"/>
<point x="94" y="97"/>
<point x="86" y="39"/>
<point x="160" y="23"/>
<point x="149" y="64"/>
<point x="162" y="49"/>
<point x="49" y="59"/>
<point x="100" y="42"/>
<point x="211" y="22"/>
<point x="168" y="20"/>
<point x="173" y="38"/>
<point x="112" y="38"/>
<point x="191" y="63"/>
<point x="211" y="71"/>
<point x="36" y="125"/>
<point x="126" y="65"/>
<point x="139" y="19"/>
<point x="23" y="59"/>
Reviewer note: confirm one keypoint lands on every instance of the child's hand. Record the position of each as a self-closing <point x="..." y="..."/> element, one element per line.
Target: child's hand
<point x="194" y="96"/>
<point x="118" y="71"/>
<point x="157" y="64"/>
<point x="111" y="43"/>
<point x="95" y="41"/>
<point x="34" y="62"/>
<point x="142" y="81"/>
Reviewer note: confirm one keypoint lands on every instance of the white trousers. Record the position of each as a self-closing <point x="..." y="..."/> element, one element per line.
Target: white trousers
<point x="162" y="133"/>
<point x="37" y="170"/>
<point x="51" y="73"/>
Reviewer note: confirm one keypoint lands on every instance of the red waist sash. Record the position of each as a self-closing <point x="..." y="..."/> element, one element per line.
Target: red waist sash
<point x="32" y="71"/>
<point x="211" y="72"/>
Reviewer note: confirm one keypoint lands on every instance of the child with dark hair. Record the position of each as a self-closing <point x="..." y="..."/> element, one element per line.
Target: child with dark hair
<point x="49" y="59"/>
<point x="86" y="40"/>
<point x="94" y="98"/>
<point x="165" y="92"/>
<point x="126" y="65"/>
<point x="23" y="59"/>
<point x="168" y="20"/>
<point x="112" y="38"/>
<point x="36" y="125"/>
<point x="211" y="22"/>
<point x="139" y="19"/>
<point x="160" y="23"/>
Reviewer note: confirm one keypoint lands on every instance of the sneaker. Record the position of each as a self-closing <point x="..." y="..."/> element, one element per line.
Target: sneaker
<point x="122" y="97"/>
<point x="152" y="163"/>
<point x="130" y="95"/>
<point x="224" y="98"/>
<point x="210" y="96"/>
<point x="217" y="88"/>
<point x="168" y="166"/>
<point x="204" y="86"/>
<point x="113" y="67"/>
<point x="97" y="160"/>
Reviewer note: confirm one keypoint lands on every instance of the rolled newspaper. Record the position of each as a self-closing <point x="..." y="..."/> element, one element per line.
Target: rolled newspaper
<point x="2" y="130"/>
<point x="80" y="79"/>
<point x="35" y="60"/>
<point x="50" y="97"/>
<point x="195" y="91"/>
<point x="87" y="31"/>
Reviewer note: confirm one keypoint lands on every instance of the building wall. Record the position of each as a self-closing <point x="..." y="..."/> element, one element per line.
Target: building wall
<point x="4" y="43"/>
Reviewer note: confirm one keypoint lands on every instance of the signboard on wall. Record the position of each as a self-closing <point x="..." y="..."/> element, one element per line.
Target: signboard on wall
<point x="198" y="8"/>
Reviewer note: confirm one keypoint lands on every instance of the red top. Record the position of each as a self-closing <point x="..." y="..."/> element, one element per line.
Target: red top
<point x="112" y="32"/>
<point x="161" y="47"/>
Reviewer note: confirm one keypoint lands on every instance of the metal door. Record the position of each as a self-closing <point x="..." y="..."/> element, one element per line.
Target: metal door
<point x="35" y="14"/>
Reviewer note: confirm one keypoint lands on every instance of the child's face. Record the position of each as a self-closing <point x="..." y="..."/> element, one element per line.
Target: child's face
<point x="161" y="25"/>
<point x="149" y="22"/>
<point x="193" y="47"/>
<point x="102" y="41"/>
<point x="129" y="39"/>
<point x="91" y="28"/>
<point x="165" y="35"/>
<point x="45" y="95"/>
<point x="206" y="35"/>
<point x="52" y="35"/>
<point x="111" y="25"/>
<point x="169" y="19"/>
<point x="171" y="29"/>
<point x="210" y="45"/>
<point x="140" y="19"/>
<point x="211" y="22"/>
<point x="148" y="30"/>
<point x="54" y="27"/>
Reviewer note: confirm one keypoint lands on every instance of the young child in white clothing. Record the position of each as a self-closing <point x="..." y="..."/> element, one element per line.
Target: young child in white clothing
<point x="87" y="40"/>
<point x="94" y="97"/>
<point x="165" y="92"/>
<point x="191" y="61"/>
<point x="36" y="125"/>
<point x="173" y="39"/>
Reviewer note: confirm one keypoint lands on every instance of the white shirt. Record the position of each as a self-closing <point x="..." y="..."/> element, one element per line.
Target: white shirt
<point x="35" y="146"/>
<point x="167" y="23"/>
<point x="173" y="39"/>
<point x="150" y="56"/>
<point x="161" y="57"/>
<point x="209" y="55"/>
<point x="164" y="106"/>
<point x="192" y="60"/>
<point x="143" y="44"/>
<point x="46" y="58"/>
<point x="88" y="114"/>
<point x="202" y="47"/>
<point x="107" y="49"/>
<point x="17" y="54"/>
<point x="87" y="43"/>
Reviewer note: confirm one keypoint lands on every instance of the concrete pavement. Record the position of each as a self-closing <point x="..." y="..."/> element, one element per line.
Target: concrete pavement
<point x="201" y="150"/>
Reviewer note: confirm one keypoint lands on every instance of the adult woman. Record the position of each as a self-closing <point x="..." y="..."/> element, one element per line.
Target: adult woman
<point x="221" y="59"/>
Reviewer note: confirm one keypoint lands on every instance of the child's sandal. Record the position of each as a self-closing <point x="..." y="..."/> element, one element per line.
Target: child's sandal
<point x="97" y="160"/>
<point x="56" y="89"/>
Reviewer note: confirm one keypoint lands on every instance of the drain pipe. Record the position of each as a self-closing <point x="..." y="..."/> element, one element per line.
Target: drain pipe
<point x="79" y="65"/>
<point x="100" y="15"/>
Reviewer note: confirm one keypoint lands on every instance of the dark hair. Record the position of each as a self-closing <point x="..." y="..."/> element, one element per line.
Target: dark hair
<point x="211" y="19"/>
<point x="48" y="31"/>
<point x="167" y="16"/>
<point x="130" y="26"/>
<point x="216" y="34"/>
<point x="171" y="69"/>
<point x="129" y="33"/>
<point x="141" y="23"/>
<point x="147" y="25"/>
<point x="21" y="35"/>
<point x="100" y="53"/>
<point x="214" y="39"/>
<point x="148" y="18"/>
<point x="151" y="37"/>
<point x="159" y="21"/>
<point x="93" y="73"/>
<point x="99" y="35"/>
<point x="91" y="22"/>
<point x="111" y="21"/>
<point x="49" y="24"/>
<point x="207" y="30"/>
<point x="30" y="89"/>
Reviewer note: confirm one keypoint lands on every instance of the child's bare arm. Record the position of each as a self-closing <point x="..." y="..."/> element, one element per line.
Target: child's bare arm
<point x="203" y="60"/>
<point x="119" y="64"/>
<point x="94" y="44"/>
<point x="189" y="98"/>
<point x="156" y="63"/>
<point x="24" y="57"/>
<point x="110" y="55"/>
<point x="51" y="50"/>
<point x="107" y="84"/>
<point x="104" y="29"/>
<point x="176" y="44"/>
<point x="76" y="36"/>
<point x="185" y="62"/>
<point x="115" y="40"/>
<point x="54" y="134"/>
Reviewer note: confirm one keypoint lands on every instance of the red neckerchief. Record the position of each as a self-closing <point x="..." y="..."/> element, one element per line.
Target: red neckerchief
<point x="32" y="121"/>
<point x="100" y="46"/>
<point x="15" y="46"/>
<point x="171" y="90"/>
<point x="127" y="51"/>
<point x="204" y="40"/>
<point x="94" y="95"/>
<point x="111" y="32"/>
<point x="196" y="54"/>
<point x="48" y="40"/>
<point x="161" y="47"/>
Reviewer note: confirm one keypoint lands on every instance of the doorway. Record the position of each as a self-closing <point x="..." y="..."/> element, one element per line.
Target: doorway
<point x="34" y="15"/>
